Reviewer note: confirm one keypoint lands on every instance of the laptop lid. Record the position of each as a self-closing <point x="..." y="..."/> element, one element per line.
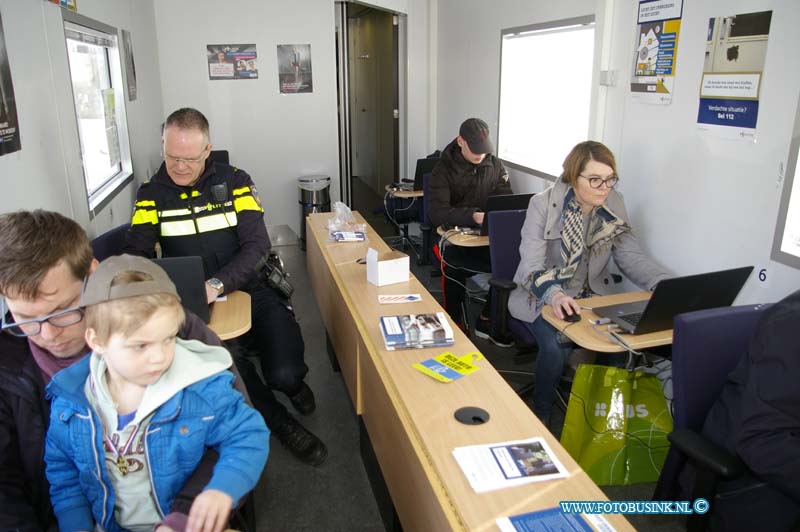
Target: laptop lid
<point x="189" y="278"/>
<point x="424" y="166"/>
<point x="505" y="202"/>
<point x="678" y="295"/>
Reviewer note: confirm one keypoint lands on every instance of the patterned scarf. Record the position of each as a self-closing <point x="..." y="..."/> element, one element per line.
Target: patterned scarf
<point x="605" y="225"/>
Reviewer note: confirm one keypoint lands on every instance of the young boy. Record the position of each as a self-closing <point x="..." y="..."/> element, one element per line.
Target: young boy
<point x="130" y="422"/>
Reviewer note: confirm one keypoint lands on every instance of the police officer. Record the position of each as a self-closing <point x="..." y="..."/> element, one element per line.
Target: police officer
<point x="194" y="206"/>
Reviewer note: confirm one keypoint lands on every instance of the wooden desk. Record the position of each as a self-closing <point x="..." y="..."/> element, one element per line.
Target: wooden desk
<point x="595" y="339"/>
<point x="408" y="417"/>
<point x="231" y="318"/>
<point x="457" y="238"/>
<point x="403" y="194"/>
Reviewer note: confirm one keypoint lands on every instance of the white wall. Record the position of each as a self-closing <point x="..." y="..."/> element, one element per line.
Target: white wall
<point x="43" y="174"/>
<point x="697" y="203"/>
<point x="275" y="138"/>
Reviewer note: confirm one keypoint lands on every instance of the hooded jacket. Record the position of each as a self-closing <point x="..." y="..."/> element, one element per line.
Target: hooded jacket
<point x="458" y="188"/>
<point x="24" y="418"/>
<point x="193" y="406"/>
<point x="219" y="218"/>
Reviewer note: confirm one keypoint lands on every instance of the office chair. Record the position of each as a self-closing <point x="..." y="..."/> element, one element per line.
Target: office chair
<point x="505" y="229"/>
<point x="110" y="243"/>
<point x="220" y="156"/>
<point x="707" y="345"/>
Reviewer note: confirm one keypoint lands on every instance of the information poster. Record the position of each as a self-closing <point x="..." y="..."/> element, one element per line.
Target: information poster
<point x="232" y="61"/>
<point x="656" y="55"/>
<point x="9" y="128"/>
<point x="130" y="66"/>
<point x="736" y="48"/>
<point x="72" y="5"/>
<point x="294" y="68"/>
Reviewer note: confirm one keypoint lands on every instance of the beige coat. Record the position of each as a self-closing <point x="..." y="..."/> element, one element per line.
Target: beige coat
<point x="540" y="250"/>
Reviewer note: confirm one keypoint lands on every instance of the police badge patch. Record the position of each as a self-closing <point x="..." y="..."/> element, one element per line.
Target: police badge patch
<point x="254" y="192"/>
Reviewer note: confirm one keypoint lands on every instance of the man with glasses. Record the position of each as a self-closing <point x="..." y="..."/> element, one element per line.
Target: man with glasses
<point x="44" y="259"/>
<point x="461" y="183"/>
<point x="193" y="206"/>
<point x="572" y="231"/>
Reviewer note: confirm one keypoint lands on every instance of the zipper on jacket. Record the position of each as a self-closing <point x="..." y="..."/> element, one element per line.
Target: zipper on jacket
<point x="147" y="458"/>
<point x="97" y="463"/>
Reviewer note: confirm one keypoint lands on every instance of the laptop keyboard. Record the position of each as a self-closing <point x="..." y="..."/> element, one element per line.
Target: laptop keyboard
<point x="632" y="318"/>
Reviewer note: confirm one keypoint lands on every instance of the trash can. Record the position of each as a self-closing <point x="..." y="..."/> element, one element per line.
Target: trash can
<point x="315" y="196"/>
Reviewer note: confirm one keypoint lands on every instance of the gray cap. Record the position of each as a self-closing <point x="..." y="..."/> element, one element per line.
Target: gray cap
<point x="98" y="287"/>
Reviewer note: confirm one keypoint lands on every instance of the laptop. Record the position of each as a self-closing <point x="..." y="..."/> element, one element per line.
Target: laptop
<point x="424" y="166"/>
<point x="676" y="296"/>
<point x="189" y="277"/>
<point x="505" y="202"/>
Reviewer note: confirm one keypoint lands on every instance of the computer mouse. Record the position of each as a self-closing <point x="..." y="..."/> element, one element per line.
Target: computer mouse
<point x="572" y="318"/>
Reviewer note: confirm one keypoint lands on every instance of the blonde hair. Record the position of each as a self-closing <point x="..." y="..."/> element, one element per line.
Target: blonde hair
<point x="124" y="316"/>
<point x="581" y="154"/>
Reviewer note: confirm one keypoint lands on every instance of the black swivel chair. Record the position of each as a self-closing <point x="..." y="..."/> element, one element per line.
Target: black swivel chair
<point x="110" y="243"/>
<point x="707" y="345"/>
<point x="220" y="156"/>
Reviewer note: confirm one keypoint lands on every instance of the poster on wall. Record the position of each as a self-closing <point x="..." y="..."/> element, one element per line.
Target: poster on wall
<point x="72" y="5"/>
<point x="736" y="48"/>
<point x="130" y="66"/>
<point x="9" y="127"/>
<point x="294" y="68"/>
<point x="658" y="27"/>
<point x="232" y="61"/>
<point x="110" y="115"/>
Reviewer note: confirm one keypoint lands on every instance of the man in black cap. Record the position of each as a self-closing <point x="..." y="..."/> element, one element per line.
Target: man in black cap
<point x="463" y="179"/>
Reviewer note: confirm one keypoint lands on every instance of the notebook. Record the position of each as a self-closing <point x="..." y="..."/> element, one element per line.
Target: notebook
<point x="189" y="278"/>
<point x="676" y="296"/>
<point x="505" y="202"/>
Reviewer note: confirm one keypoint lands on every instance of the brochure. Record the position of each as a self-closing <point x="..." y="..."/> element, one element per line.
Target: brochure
<point x="410" y="331"/>
<point x="553" y="519"/>
<point x="513" y="463"/>
<point x="447" y="367"/>
<point x="399" y="298"/>
<point x="348" y="236"/>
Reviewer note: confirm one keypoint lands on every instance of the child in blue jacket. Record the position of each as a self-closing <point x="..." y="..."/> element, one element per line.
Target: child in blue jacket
<point x="131" y="421"/>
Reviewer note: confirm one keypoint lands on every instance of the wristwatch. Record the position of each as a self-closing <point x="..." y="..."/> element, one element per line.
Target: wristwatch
<point x="216" y="284"/>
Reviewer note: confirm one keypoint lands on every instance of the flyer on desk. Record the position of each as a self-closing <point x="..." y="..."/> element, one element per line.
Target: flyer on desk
<point x="512" y="463"/>
<point x="553" y="519"/>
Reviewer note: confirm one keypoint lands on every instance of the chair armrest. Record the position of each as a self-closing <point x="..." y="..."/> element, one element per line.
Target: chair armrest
<point x="707" y="454"/>
<point x="502" y="285"/>
<point x="503" y="288"/>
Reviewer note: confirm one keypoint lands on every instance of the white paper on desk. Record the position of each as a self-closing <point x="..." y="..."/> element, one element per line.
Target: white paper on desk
<point x="512" y="463"/>
<point x="221" y="298"/>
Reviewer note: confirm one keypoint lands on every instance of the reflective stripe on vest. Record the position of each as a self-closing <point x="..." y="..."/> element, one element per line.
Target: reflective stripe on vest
<point x="182" y="228"/>
<point x="144" y="216"/>
<point x="175" y="212"/>
<point x="216" y="222"/>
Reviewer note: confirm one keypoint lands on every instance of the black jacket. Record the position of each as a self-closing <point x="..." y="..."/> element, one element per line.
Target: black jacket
<point x="459" y="188"/>
<point x="758" y="412"/>
<point x="24" y="417"/>
<point x="219" y="218"/>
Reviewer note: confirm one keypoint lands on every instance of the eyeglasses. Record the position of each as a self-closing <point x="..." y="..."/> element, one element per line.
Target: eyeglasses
<point x="597" y="181"/>
<point x="177" y="160"/>
<point x="60" y="319"/>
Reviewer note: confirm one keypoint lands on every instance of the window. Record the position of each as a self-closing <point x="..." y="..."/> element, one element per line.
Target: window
<point x="545" y="93"/>
<point x="94" y="65"/>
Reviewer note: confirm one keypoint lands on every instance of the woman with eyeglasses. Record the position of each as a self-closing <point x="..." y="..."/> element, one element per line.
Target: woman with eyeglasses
<point x="572" y="231"/>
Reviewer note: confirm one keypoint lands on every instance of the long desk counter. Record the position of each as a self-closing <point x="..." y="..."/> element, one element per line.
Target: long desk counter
<point x="409" y="416"/>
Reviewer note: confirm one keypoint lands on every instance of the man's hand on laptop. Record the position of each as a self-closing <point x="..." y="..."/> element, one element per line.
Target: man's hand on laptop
<point x="478" y="217"/>
<point x="564" y="305"/>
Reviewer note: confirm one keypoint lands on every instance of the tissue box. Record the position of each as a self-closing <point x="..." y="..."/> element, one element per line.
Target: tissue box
<point x="387" y="268"/>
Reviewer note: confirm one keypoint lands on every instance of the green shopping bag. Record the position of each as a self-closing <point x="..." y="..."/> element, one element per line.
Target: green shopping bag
<point x="617" y="424"/>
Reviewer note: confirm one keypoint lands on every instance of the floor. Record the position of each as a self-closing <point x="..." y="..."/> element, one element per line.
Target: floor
<point x="336" y="496"/>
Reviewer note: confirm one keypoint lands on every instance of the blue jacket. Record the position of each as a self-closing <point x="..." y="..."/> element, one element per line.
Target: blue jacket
<point x="209" y="413"/>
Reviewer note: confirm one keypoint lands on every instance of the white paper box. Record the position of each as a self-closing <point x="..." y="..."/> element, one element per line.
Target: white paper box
<point x="387" y="268"/>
